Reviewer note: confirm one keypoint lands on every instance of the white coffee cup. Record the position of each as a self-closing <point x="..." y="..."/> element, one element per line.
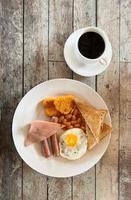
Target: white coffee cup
<point x="79" y="63"/>
<point x="104" y="58"/>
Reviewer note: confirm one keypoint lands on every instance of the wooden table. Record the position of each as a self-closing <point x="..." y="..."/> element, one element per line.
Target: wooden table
<point x="32" y="36"/>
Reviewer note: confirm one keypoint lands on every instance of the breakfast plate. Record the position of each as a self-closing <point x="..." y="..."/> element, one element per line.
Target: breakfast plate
<point x="30" y="109"/>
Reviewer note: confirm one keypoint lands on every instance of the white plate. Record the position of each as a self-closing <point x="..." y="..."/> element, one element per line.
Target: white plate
<point x="90" y="69"/>
<point x="30" y="109"/>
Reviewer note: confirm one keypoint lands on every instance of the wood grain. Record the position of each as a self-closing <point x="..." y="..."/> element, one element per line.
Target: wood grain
<point x="35" y="71"/>
<point x="59" y="70"/>
<point x="125" y="133"/>
<point x="10" y="93"/>
<point x="125" y="30"/>
<point x="59" y="188"/>
<point x="108" y="88"/>
<point x="60" y="23"/>
<point x="84" y="15"/>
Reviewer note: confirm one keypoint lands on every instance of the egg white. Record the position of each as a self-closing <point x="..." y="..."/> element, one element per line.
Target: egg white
<point x="76" y="152"/>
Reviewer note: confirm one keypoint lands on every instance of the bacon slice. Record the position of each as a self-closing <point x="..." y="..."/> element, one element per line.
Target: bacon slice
<point x="40" y="130"/>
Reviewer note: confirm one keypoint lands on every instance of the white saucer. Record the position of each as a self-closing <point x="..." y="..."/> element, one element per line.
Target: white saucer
<point x="76" y="65"/>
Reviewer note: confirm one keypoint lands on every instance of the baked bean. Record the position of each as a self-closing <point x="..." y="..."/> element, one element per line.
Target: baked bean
<point x="70" y="127"/>
<point x="67" y="123"/>
<point x="64" y="120"/>
<point x="69" y="116"/>
<point x="73" y="117"/>
<point x="75" y="112"/>
<point x="54" y="119"/>
<point x="83" y="128"/>
<point x="63" y="126"/>
<point x="73" y="122"/>
<point x="79" y="120"/>
<point x="83" y="123"/>
<point x="77" y="125"/>
<point x="61" y="118"/>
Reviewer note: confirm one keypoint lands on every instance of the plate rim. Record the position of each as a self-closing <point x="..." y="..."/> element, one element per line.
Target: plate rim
<point x="13" y="121"/>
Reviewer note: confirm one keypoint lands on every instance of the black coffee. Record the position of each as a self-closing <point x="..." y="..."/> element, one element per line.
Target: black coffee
<point x="91" y="45"/>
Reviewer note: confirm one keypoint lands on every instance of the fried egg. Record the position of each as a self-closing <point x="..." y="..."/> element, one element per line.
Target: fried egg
<point x="73" y="144"/>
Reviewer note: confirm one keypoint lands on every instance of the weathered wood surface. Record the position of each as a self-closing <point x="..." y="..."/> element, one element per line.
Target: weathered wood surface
<point x="108" y="88"/>
<point x="30" y="53"/>
<point x="84" y="15"/>
<point x="60" y="23"/>
<point x="125" y="101"/>
<point x="125" y="131"/>
<point x="59" y="70"/>
<point x="35" y="71"/>
<point x="125" y="30"/>
<point x="10" y="95"/>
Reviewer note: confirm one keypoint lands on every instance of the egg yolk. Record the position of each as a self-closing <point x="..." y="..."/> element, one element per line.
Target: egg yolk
<point x="71" y="140"/>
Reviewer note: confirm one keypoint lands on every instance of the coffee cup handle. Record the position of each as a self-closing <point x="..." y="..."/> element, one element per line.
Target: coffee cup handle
<point x="103" y="61"/>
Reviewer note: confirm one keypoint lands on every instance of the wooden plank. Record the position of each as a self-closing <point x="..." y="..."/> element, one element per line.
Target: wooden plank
<point x="35" y="71"/>
<point x="10" y="93"/>
<point x="59" y="189"/>
<point x="59" y="70"/>
<point x="84" y="15"/>
<point x="60" y="22"/>
<point x="108" y="88"/>
<point x="125" y="31"/>
<point x="35" y="43"/>
<point x="125" y="101"/>
<point x="84" y="185"/>
<point x="125" y="127"/>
